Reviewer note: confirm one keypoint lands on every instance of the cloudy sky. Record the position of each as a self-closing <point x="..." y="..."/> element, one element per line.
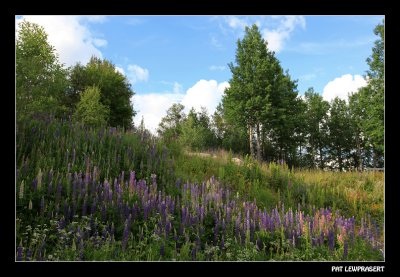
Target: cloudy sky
<point x="171" y="59"/>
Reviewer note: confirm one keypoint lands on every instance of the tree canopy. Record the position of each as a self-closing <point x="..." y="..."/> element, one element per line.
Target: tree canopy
<point x="40" y="78"/>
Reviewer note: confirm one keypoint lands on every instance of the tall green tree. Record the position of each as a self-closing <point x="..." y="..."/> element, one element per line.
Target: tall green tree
<point x="89" y="110"/>
<point x="316" y="128"/>
<point x="197" y="132"/>
<point x="40" y="77"/>
<point x="115" y="90"/>
<point x="229" y="134"/>
<point x="247" y="99"/>
<point x="170" y="127"/>
<point x="340" y="134"/>
<point x="374" y="95"/>
<point x="285" y="109"/>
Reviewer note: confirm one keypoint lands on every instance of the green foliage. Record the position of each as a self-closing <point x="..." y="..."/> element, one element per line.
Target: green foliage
<point x="170" y="127"/>
<point x="340" y="133"/>
<point x="89" y="110"/>
<point x="40" y="78"/>
<point x="114" y="88"/>
<point x="196" y="131"/>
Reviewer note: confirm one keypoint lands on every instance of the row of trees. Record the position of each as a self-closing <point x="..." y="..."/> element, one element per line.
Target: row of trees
<point x="262" y="114"/>
<point x="94" y="94"/>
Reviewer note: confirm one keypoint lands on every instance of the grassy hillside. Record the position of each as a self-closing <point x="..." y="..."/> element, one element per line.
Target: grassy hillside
<point x="104" y="194"/>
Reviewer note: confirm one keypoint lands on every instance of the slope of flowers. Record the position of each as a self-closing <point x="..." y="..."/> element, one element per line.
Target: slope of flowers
<point x="69" y="207"/>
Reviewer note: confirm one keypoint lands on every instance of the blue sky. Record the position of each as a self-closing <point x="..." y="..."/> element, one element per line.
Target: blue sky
<point x="184" y="59"/>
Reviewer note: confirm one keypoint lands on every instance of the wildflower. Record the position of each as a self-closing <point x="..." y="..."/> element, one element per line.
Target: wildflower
<point x="84" y="207"/>
<point x="21" y="190"/>
<point x="19" y="252"/>
<point x="345" y="249"/>
<point x="42" y="206"/>
<point x="103" y="212"/>
<point x="222" y="243"/>
<point x="93" y="209"/>
<point x="125" y="235"/>
<point x="28" y="254"/>
<point x="162" y="250"/>
<point x="34" y="184"/>
<point x="331" y="240"/>
<point x="73" y="156"/>
<point x="39" y="179"/>
<point x="30" y="205"/>
<point x="194" y="254"/>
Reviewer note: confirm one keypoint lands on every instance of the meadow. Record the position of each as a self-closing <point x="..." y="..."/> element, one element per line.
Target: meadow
<point x="87" y="194"/>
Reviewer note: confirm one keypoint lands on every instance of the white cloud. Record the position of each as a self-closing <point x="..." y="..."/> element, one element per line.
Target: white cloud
<point x="137" y="74"/>
<point x="276" y="38"/>
<point x="204" y="94"/>
<point x="72" y="39"/>
<point x="154" y="106"/>
<point x="217" y="67"/>
<point x="177" y="88"/>
<point x="343" y="85"/>
<point x="120" y="70"/>
<point x="236" y="23"/>
<point x="276" y="30"/>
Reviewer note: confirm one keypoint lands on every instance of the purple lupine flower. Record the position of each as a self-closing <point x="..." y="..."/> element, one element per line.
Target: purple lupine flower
<point x="42" y="206"/>
<point x="168" y="227"/>
<point x="34" y="184"/>
<point x="66" y="209"/>
<point x="84" y="207"/>
<point x="248" y="220"/>
<point x="104" y="233"/>
<point x="20" y="250"/>
<point x="243" y="235"/>
<point x="222" y="243"/>
<point x="58" y="194"/>
<point x="40" y="252"/>
<point x="93" y="208"/>
<point x="73" y="156"/>
<point x="216" y="233"/>
<point x="28" y="254"/>
<point x="112" y="230"/>
<point x="194" y="254"/>
<point x="103" y="212"/>
<point x="237" y="226"/>
<point x="321" y="238"/>
<point x="252" y="229"/>
<point x="345" y="249"/>
<point x="162" y="250"/>
<point x="61" y="224"/>
<point x="331" y="240"/>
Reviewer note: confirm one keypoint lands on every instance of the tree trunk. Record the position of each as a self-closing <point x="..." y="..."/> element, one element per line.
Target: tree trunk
<point x="251" y="141"/>
<point x="258" y="142"/>
<point x="321" y="159"/>
<point x="360" y="164"/>
<point x="375" y="158"/>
